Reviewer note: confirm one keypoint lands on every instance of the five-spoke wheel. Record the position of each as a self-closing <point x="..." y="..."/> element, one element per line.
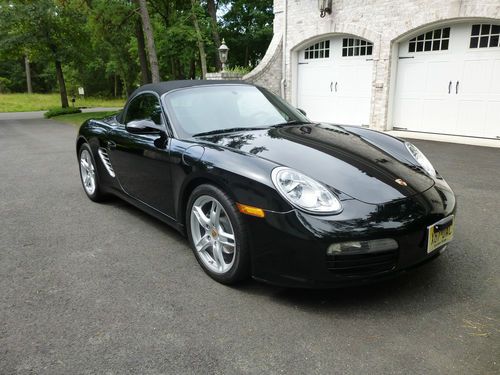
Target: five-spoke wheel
<point x="216" y="233"/>
<point x="88" y="173"/>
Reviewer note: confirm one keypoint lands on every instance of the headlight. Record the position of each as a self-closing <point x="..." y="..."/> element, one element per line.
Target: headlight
<point x="421" y="159"/>
<point x="303" y="192"/>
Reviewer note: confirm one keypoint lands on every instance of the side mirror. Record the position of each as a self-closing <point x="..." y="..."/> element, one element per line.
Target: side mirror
<point x="302" y="111"/>
<point x="143" y="127"/>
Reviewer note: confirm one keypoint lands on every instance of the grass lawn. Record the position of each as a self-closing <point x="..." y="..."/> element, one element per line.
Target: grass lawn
<point x="41" y="102"/>
<point x="77" y="119"/>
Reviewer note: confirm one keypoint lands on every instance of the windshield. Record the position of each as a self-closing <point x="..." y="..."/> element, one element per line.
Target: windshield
<point x="204" y="109"/>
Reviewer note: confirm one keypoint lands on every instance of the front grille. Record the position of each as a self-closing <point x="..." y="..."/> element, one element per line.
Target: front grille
<point x="362" y="264"/>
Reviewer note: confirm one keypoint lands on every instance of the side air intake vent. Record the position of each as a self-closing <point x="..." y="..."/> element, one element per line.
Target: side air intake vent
<point x="103" y="153"/>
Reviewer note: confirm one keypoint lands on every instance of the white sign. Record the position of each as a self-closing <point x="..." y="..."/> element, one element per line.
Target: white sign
<point x="81" y="91"/>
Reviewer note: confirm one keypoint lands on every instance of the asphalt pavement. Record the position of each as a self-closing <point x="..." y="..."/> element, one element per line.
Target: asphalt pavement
<point x="90" y="288"/>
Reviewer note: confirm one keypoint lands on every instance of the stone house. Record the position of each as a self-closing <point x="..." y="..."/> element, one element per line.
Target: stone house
<point x="419" y="65"/>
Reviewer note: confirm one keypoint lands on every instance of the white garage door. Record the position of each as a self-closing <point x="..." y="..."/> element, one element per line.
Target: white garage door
<point x="335" y="80"/>
<point x="448" y="81"/>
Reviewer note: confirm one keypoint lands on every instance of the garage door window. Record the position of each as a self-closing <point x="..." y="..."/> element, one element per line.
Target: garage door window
<point x="434" y="40"/>
<point x="484" y="35"/>
<point x="356" y="47"/>
<point x="319" y="50"/>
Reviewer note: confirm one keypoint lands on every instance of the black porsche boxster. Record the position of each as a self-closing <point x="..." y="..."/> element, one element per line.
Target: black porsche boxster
<point x="261" y="191"/>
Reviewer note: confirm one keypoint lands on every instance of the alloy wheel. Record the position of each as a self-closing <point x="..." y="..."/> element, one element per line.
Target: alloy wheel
<point x="213" y="234"/>
<point x="87" y="172"/>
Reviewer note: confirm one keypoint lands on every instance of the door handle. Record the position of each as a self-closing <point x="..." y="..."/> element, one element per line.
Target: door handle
<point x="331" y="85"/>
<point x="449" y="87"/>
<point x="336" y="86"/>
<point x="456" y="87"/>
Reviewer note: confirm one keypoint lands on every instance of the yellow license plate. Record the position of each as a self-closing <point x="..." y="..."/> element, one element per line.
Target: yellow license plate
<point x="440" y="233"/>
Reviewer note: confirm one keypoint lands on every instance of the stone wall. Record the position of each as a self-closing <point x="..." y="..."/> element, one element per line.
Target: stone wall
<point x="383" y="22"/>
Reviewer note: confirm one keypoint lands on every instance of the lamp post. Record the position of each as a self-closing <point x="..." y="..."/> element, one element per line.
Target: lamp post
<point x="223" y="51"/>
<point x="325" y="7"/>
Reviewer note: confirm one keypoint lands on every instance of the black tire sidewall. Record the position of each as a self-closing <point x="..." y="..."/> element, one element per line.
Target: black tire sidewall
<point x="97" y="195"/>
<point x="240" y="269"/>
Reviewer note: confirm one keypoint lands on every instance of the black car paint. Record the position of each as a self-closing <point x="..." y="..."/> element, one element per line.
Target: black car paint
<point x="157" y="172"/>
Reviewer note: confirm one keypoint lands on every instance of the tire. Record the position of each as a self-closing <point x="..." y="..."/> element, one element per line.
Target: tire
<point x="210" y="235"/>
<point x="89" y="175"/>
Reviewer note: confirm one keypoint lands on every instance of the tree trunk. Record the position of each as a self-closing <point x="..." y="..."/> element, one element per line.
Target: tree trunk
<point x="141" y="51"/>
<point x="246" y="56"/>
<point x="28" y="74"/>
<point x="199" y="37"/>
<point x="192" y="69"/>
<point x="150" y="43"/>
<point x="212" y="11"/>
<point x="62" y="84"/>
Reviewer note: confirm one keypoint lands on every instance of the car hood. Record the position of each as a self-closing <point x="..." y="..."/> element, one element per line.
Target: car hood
<point x="334" y="156"/>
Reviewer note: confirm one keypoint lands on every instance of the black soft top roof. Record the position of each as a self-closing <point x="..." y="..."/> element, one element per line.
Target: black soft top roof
<point x="163" y="87"/>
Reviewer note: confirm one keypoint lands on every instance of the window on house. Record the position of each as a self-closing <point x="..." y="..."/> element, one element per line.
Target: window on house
<point x="484" y="35"/>
<point x="434" y="40"/>
<point x="320" y="50"/>
<point x="356" y="47"/>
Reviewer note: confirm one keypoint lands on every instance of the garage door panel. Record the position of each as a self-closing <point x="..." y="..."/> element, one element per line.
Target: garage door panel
<point x="492" y="120"/>
<point x="316" y="107"/>
<point x="455" y="90"/>
<point x="407" y="113"/>
<point x="495" y="80"/>
<point x="312" y="79"/>
<point x="410" y="82"/>
<point x="476" y="78"/>
<point x="438" y="114"/>
<point x="336" y="88"/>
<point x="471" y="118"/>
<point x="439" y="74"/>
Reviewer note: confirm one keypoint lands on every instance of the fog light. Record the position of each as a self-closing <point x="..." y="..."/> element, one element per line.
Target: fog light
<point x="362" y="247"/>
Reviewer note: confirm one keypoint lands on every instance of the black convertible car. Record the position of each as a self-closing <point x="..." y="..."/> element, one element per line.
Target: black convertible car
<point x="261" y="191"/>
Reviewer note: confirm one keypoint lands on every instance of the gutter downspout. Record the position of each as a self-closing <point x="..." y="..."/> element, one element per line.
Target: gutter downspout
<point x="283" y="47"/>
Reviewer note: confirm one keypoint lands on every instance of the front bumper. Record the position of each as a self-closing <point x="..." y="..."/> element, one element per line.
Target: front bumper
<point x="290" y="249"/>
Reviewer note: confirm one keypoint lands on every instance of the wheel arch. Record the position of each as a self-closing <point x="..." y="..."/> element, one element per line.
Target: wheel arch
<point x="188" y="189"/>
<point x="79" y="142"/>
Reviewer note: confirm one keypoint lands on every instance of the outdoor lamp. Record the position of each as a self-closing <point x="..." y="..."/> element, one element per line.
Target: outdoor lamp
<point x="325" y="7"/>
<point x="223" y="51"/>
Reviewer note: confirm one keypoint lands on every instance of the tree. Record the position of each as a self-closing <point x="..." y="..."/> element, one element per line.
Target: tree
<point x="247" y="28"/>
<point x="103" y="45"/>
<point x="199" y="37"/>
<point x="212" y="11"/>
<point x="150" y="43"/>
<point x="27" y="68"/>
<point x="45" y="28"/>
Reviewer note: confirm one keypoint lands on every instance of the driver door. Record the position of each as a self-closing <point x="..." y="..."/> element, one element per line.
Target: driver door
<point x="141" y="158"/>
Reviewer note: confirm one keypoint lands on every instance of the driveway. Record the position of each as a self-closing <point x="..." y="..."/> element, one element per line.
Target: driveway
<point x="91" y="288"/>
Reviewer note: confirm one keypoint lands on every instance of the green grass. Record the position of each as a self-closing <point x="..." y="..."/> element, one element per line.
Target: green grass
<point x="77" y="119"/>
<point x="41" y="102"/>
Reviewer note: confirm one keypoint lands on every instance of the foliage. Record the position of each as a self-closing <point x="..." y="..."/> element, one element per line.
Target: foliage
<point x="97" y="41"/>
<point x="53" y="112"/>
<point x="239" y="69"/>
<point x="4" y="84"/>
<point x="247" y="28"/>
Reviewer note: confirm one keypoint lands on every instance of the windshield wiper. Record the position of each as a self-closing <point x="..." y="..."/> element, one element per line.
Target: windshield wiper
<point x="290" y="122"/>
<point x="228" y="130"/>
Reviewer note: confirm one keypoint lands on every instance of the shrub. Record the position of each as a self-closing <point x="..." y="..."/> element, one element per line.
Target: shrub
<point x="239" y="69"/>
<point x="4" y="84"/>
<point x="53" y="112"/>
